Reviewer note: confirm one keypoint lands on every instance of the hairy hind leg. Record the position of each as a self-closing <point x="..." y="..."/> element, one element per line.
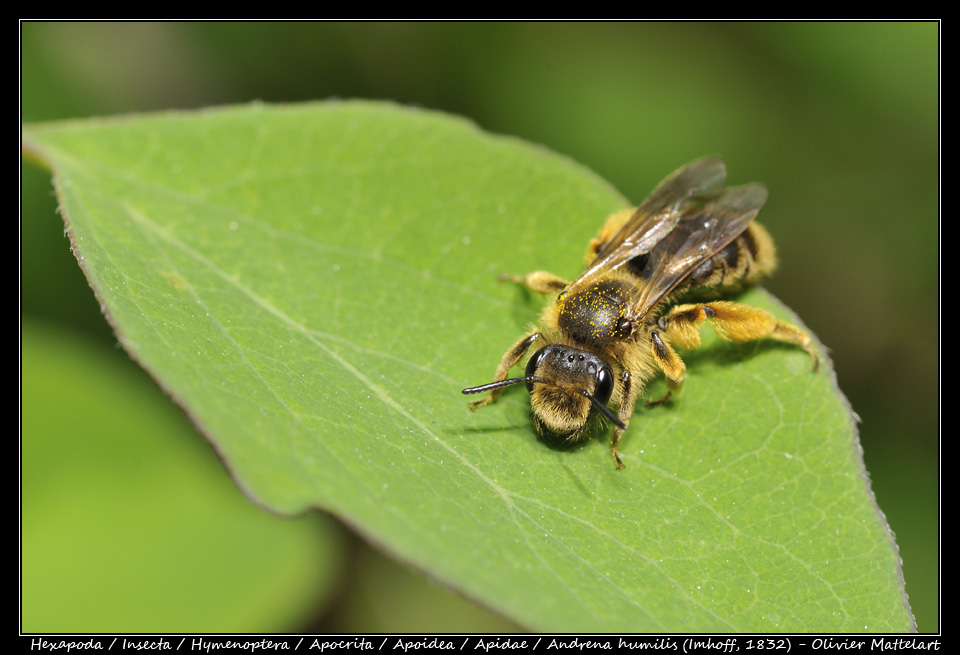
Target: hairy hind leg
<point x="733" y="322"/>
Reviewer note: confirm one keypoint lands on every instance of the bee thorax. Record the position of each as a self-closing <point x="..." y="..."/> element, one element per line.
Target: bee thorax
<point x="596" y="313"/>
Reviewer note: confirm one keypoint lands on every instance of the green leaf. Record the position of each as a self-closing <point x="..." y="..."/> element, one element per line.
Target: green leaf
<point x="315" y="284"/>
<point x="129" y="524"/>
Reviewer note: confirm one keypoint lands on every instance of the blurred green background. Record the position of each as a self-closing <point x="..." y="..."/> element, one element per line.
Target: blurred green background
<point x="839" y="120"/>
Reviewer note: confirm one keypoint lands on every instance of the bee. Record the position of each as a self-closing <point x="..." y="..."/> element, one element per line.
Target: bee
<point x="654" y="275"/>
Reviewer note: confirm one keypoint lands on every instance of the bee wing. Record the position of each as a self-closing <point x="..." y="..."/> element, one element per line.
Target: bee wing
<point x="707" y="224"/>
<point x="658" y="215"/>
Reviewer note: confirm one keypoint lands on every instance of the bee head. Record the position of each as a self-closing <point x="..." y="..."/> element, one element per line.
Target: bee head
<point x="565" y="384"/>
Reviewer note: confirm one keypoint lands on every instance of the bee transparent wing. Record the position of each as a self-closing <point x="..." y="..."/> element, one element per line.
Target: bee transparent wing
<point x="706" y="226"/>
<point x="658" y="215"/>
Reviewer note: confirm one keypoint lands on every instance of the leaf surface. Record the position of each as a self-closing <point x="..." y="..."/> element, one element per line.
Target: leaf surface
<point x="315" y="284"/>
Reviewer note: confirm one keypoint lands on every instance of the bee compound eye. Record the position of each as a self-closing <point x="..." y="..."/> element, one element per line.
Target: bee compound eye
<point x="533" y="365"/>
<point x="604" y="387"/>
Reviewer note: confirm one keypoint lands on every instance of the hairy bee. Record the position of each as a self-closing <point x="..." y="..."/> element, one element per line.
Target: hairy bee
<point x="614" y="328"/>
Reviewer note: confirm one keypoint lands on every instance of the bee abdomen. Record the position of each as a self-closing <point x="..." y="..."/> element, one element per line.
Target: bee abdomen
<point x="744" y="261"/>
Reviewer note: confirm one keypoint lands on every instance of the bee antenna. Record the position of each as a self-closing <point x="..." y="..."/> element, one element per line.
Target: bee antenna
<point x="503" y="383"/>
<point x="606" y="411"/>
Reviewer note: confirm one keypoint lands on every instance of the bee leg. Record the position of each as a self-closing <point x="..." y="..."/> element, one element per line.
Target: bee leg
<point x="539" y="281"/>
<point x="670" y="363"/>
<point x="510" y="358"/>
<point x="792" y="334"/>
<point x="628" y="393"/>
<point x="612" y="225"/>
<point x="732" y="322"/>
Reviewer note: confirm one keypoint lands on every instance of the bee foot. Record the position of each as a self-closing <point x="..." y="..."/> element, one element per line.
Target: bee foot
<point x="480" y="403"/>
<point x="657" y="403"/>
<point x="616" y="458"/>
